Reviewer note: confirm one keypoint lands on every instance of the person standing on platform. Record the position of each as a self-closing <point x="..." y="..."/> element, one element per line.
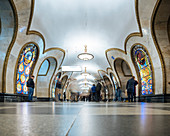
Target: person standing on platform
<point x="93" y="89"/>
<point x="30" y="85"/>
<point x="64" y="96"/>
<point x="58" y="90"/>
<point x="119" y="92"/>
<point x="98" y="88"/>
<point x="130" y="86"/>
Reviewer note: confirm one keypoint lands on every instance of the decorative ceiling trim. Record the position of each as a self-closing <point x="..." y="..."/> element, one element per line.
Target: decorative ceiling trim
<point x="38" y="33"/>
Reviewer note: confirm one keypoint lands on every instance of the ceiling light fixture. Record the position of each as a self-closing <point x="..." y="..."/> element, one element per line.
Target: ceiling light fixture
<point x="85" y="56"/>
<point x="85" y="73"/>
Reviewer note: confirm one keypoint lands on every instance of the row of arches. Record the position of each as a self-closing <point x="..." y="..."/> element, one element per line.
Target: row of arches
<point x="28" y="58"/>
<point x="143" y="65"/>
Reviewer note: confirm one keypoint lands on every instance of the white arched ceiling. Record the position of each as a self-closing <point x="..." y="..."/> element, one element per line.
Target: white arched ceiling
<point x="70" y="24"/>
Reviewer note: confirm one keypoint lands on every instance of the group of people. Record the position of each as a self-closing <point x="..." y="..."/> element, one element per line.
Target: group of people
<point x="95" y="91"/>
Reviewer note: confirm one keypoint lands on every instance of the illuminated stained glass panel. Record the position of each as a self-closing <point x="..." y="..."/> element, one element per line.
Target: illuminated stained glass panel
<point x="25" y="67"/>
<point x="143" y="64"/>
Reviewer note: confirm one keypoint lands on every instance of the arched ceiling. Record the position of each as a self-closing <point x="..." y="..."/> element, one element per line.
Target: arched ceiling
<point x="99" y="24"/>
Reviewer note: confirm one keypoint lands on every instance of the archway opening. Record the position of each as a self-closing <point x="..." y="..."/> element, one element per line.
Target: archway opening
<point x="109" y="88"/>
<point x="123" y="72"/>
<point x="45" y="74"/>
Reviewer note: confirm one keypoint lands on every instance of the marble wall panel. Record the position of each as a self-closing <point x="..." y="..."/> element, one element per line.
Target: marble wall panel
<point x="162" y="36"/>
<point x="7" y="31"/>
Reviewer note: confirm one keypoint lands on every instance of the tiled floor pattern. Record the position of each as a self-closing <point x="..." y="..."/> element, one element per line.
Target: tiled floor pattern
<point x="84" y="119"/>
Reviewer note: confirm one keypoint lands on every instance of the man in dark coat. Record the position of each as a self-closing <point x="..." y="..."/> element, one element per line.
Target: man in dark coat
<point x="130" y="86"/>
<point x="98" y="88"/>
<point x="30" y="85"/>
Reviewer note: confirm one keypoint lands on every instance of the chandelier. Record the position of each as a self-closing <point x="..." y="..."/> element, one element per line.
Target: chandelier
<point x="85" y="73"/>
<point x="85" y="86"/>
<point x="85" y="56"/>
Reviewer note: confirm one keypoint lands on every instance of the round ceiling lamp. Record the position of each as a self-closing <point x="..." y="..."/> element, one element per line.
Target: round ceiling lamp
<point x="85" y="73"/>
<point x="85" y="56"/>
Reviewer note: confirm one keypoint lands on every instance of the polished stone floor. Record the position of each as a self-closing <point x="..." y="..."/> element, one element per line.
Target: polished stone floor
<point x="84" y="119"/>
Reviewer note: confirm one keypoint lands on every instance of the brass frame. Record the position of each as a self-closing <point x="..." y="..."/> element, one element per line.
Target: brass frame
<point x="51" y="75"/>
<point x="138" y="75"/>
<point x="47" y="69"/>
<point x="16" y="64"/>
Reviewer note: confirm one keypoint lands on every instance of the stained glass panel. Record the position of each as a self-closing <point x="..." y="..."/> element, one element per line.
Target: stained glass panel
<point x="25" y="67"/>
<point x="142" y="61"/>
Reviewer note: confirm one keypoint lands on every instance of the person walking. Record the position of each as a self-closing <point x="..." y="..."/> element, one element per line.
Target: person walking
<point x="93" y="89"/>
<point x="30" y="85"/>
<point x="130" y="86"/>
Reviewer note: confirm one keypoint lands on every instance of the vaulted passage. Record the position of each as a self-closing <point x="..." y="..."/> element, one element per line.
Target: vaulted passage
<point x="92" y="67"/>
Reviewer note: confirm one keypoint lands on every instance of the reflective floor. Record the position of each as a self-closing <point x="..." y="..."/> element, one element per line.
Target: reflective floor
<point x="84" y="119"/>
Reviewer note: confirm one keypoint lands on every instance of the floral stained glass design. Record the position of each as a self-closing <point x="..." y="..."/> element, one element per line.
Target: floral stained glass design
<point x="145" y="70"/>
<point x="25" y="67"/>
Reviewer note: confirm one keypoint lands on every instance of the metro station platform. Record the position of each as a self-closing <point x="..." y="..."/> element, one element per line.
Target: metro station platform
<point x="84" y="119"/>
